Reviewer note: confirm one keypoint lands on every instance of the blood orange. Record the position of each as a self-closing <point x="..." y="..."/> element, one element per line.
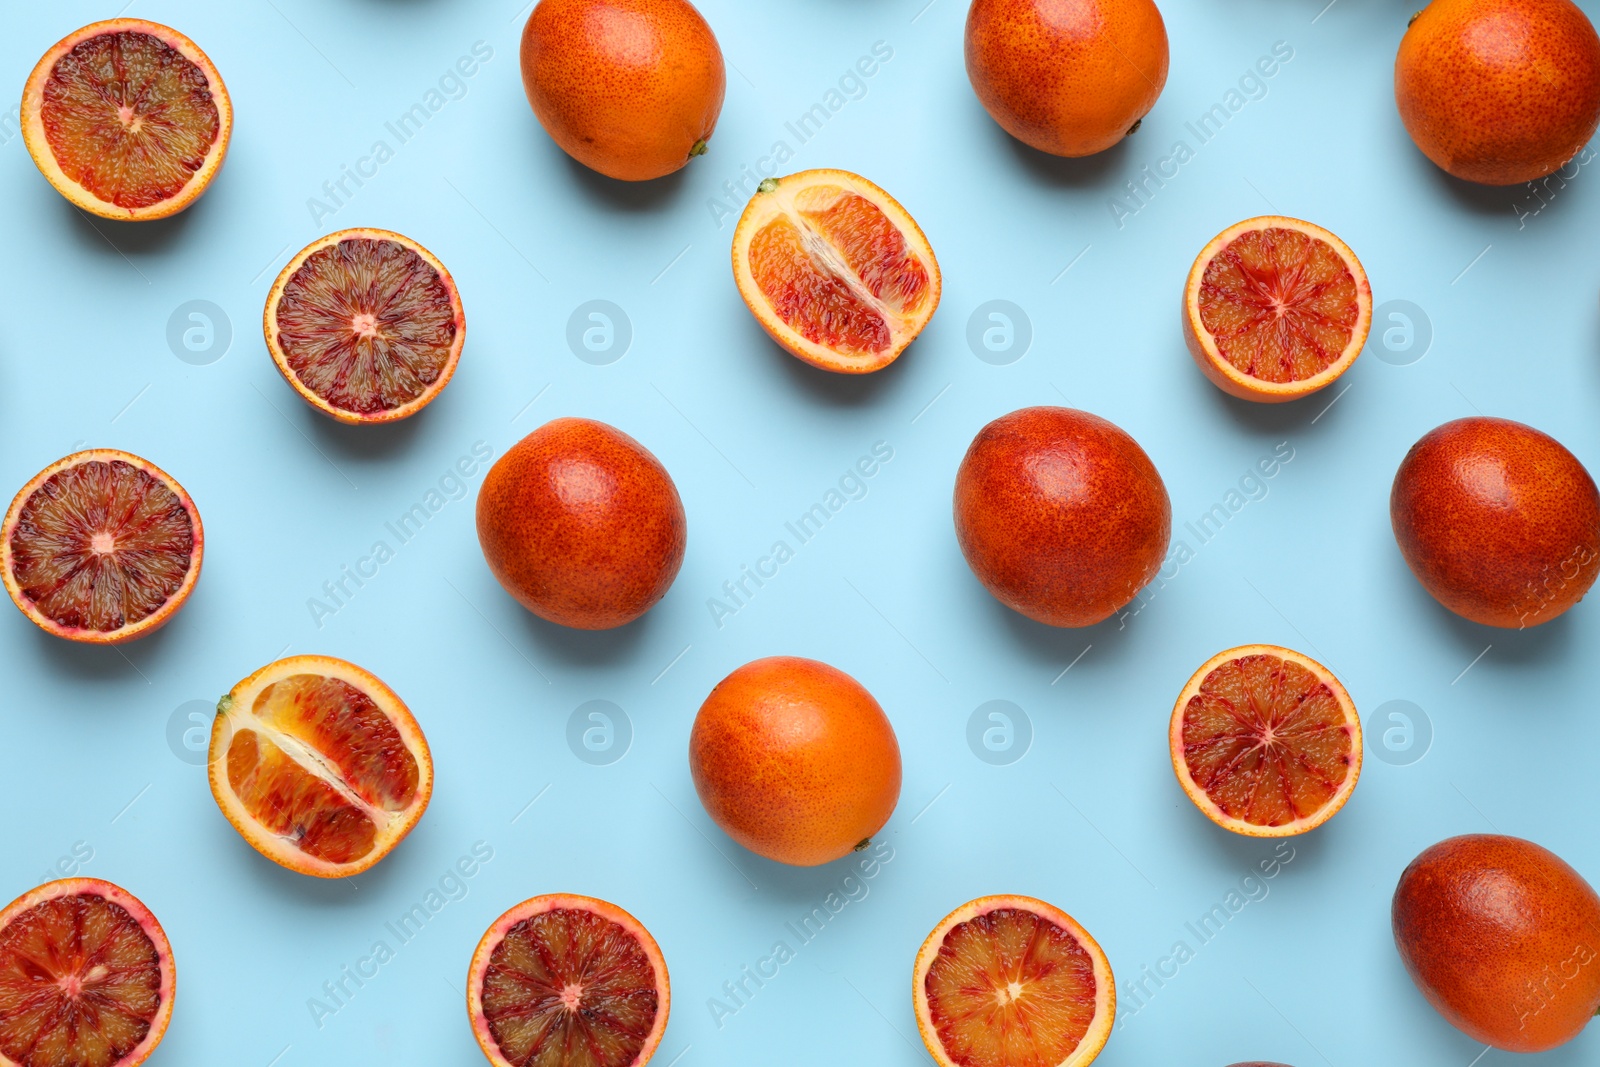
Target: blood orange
<point x="127" y="118"/>
<point x="1275" y="309"/>
<point x="101" y="547"/>
<point x="87" y="977"/>
<point x="835" y="270"/>
<point x="319" y="765"/>
<point x="1010" y="981"/>
<point x="568" y="981"/>
<point x="366" y="325"/>
<point x="1265" y="741"/>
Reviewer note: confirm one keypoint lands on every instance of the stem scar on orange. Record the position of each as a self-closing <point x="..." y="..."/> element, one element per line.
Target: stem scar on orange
<point x="319" y="765"/>
<point x="835" y="270"/>
<point x="1265" y="741"/>
<point x="366" y="325"/>
<point x="1275" y="308"/>
<point x="101" y="547"/>
<point x="127" y="118"/>
<point x="1010" y="981"/>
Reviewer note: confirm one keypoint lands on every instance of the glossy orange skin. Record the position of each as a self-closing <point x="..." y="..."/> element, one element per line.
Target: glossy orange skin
<point x="1499" y="91"/>
<point x="1069" y="77"/>
<point x="1498" y="521"/>
<point x="1502" y="938"/>
<point x="582" y="525"/>
<point x="1061" y="515"/>
<point x="630" y="88"/>
<point x="795" y="760"/>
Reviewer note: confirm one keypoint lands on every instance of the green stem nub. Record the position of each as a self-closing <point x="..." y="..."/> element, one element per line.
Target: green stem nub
<point x="1134" y="128"/>
<point x="767" y="185"/>
<point x="863" y="843"/>
<point x="699" y="148"/>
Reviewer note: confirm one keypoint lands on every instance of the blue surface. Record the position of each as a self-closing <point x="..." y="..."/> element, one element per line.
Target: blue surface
<point x="1090" y="818"/>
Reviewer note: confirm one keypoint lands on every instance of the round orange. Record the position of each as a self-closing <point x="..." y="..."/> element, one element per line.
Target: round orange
<point x="101" y="547"/>
<point x="1010" y="981"/>
<point x="319" y="765"/>
<point x="127" y="118"/>
<point x="1275" y="308"/>
<point x="835" y="270"/>
<point x="1265" y="741"/>
<point x="366" y="325"/>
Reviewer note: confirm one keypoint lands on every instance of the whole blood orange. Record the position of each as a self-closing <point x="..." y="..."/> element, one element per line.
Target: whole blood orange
<point x="795" y="760"/>
<point x="1502" y="938"/>
<point x="87" y="977"/>
<point x="1010" y="981"/>
<point x="1498" y="521"/>
<point x="1265" y="741"/>
<point x="366" y="325"/>
<point x="582" y="524"/>
<point x="319" y="765"/>
<point x="101" y="547"/>
<point x="1499" y="91"/>
<point x="1069" y="77"/>
<point x="630" y="88"/>
<point x="1275" y="309"/>
<point x="835" y="270"/>
<point x="127" y="119"/>
<point x="1061" y="515"/>
<point x="568" y="981"/>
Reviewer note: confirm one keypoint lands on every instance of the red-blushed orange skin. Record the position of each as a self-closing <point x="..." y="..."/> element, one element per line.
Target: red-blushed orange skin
<point x="1499" y="91"/>
<point x="1498" y="521"/>
<point x="1503" y="939"/>
<point x="795" y="760"/>
<point x="630" y="88"/>
<point x="1069" y="77"/>
<point x="582" y="525"/>
<point x="1061" y="515"/>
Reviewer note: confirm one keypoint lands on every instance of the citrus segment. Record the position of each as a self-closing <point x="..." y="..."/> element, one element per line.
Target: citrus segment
<point x="1276" y="308"/>
<point x="127" y="118"/>
<point x="1011" y="981"/>
<point x="1266" y="741"/>
<point x="319" y="765"/>
<point x="86" y="978"/>
<point x="101" y="547"/>
<point x="366" y="325"/>
<point x="835" y="270"/>
<point x="568" y="981"/>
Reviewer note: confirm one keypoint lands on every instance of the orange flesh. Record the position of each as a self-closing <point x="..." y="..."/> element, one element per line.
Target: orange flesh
<point x="815" y="272"/>
<point x="568" y="988"/>
<point x="1280" y="305"/>
<point x="367" y="325"/>
<point x="80" y="984"/>
<point x="1266" y="740"/>
<point x="101" y="546"/>
<point x="129" y="118"/>
<point x="1010" y="989"/>
<point x="353" y="767"/>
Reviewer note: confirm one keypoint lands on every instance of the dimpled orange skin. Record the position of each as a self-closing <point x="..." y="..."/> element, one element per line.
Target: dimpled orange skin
<point x="795" y="760"/>
<point x="1069" y="77"/>
<point x="1061" y="515"/>
<point x="630" y="88"/>
<point x="1499" y="91"/>
<point x="1498" y="521"/>
<point x="582" y="525"/>
<point x="1502" y="938"/>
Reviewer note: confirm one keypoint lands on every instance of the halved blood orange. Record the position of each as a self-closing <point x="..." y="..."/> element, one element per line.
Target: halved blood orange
<point x="1010" y="981"/>
<point x="1275" y="309"/>
<point x="366" y="325"/>
<point x="319" y="765"/>
<point x="568" y="981"/>
<point x="87" y="977"/>
<point x="835" y="270"/>
<point x="128" y="119"/>
<point x="1266" y="741"/>
<point x="101" y="547"/>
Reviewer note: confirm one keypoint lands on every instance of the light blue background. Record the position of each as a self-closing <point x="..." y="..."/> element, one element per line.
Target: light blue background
<point x="1090" y="818"/>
